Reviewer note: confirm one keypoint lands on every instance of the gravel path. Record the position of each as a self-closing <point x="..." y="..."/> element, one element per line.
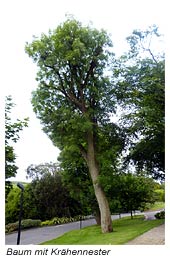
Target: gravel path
<point x="155" y="236"/>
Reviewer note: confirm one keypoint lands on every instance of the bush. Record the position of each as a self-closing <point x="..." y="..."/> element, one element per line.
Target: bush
<point x="47" y="223"/>
<point x="160" y="215"/>
<point x="25" y="223"/>
<point x="63" y="220"/>
<point x="11" y="227"/>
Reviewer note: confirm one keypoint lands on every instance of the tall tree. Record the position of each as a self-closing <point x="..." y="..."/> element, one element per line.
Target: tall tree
<point x="73" y="99"/>
<point x="12" y="130"/>
<point x="140" y="81"/>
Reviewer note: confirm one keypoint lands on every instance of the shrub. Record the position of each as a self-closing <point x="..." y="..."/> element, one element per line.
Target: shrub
<point x="11" y="227"/>
<point x="25" y="223"/>
<point x="63" y="220"/>
<point x="160" y="215"/>
<point x="47" y="223"/>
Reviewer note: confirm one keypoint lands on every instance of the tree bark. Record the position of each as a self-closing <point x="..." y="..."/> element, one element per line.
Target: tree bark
<point x="97" y="217"/>
<point x="106" y="222"/>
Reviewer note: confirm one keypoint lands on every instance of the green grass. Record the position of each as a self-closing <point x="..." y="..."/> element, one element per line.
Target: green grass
<point x="125" y="229"/>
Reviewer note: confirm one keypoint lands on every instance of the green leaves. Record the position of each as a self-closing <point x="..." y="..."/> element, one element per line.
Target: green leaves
<point x="73" y="95"/>
<point x="12" y="130"/>
<point x="140" y="83"/>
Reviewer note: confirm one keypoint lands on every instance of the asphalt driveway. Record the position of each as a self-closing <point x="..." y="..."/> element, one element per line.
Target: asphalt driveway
<point x="35" y="236"/>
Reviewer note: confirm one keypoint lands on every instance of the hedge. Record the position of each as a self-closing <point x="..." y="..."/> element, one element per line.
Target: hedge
<point x="28" y="223"/>
<point x="25" y="223"/>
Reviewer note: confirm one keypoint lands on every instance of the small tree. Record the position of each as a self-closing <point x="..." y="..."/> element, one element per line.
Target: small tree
<point x="132" y="191"/>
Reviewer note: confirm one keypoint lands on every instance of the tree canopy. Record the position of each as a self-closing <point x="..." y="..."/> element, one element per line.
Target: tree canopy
<point x="140" y="90"/>
<point x="12" y="130"/>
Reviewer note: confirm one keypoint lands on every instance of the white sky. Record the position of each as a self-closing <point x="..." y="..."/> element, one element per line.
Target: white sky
<point x="21" y="19"/>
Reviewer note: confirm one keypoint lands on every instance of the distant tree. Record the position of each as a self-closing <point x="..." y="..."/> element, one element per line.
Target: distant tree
<point x="73" y="99"/>
<point x="36" y="171"/>
<point x="140" y="83"/>
<point x="131" y="192"/>
<point x="12" y="130"/>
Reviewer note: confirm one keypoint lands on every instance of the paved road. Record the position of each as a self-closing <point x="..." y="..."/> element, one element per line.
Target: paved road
<point x="36" y="236"/>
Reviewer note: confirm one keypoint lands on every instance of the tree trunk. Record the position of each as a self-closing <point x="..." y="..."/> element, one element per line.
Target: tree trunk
<point x="97" y="217"/>
<point x="106" y="222"/>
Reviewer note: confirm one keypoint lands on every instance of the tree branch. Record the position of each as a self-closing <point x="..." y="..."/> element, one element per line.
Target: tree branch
<point x="69" y="94"/>
<point x="93" y="64"/>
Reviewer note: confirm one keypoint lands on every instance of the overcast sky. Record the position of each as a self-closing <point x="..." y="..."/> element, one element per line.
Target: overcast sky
<point x="22" y="19"/>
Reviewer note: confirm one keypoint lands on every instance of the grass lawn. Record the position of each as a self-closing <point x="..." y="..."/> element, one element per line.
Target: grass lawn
<point x="125" y="229"/>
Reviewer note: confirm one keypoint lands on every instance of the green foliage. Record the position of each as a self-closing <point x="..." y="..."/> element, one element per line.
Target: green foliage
<point x="73" y="93"/>
<point x="140" y="90"/>
<point x="44" y="198"/>
<point x="11" y="227"/>
<point x="25" y="223"/>
<point x="160" y="195"/>
<point x="12" y="130"/>
<point x="50" y="195"/>
<point x="76" y="178"/>
<point x="157" y="206"/>
<point x="37" y="171"/>
<point x="47" y="223"/>
<point x="129" y="192"/>
<point x="160" y="215"/>
<point x="63" y="220"/>
<point x="12" y="206"/>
